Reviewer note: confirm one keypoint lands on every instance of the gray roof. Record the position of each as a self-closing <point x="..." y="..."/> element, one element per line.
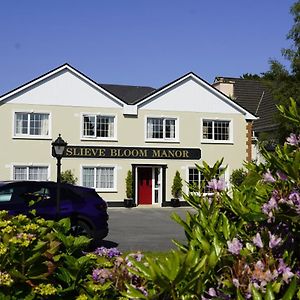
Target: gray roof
<point x="128" y="93"/>
<point x="256" y="97"/>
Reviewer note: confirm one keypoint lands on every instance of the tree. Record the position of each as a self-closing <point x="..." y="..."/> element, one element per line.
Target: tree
<point x="285" y="84"/>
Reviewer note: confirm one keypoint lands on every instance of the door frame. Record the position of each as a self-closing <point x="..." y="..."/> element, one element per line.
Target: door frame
<point x="162" y="188"/>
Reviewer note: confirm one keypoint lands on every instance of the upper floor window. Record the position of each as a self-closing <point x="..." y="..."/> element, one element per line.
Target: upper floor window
<point x="100" y="178"/>
<point x="31" y="124"/>
<point x="161" y="128"/>
<point x="98" y="126"/>
<point x="216" y="130"/>
<point x="30" y="173"/>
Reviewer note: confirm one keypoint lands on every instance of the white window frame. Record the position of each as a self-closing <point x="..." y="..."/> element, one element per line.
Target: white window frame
<point x="28" y="135"/>
<point x="113" y="189"/>
<point x="86" y="137"/>
<point x="225" y="174"/>
<point x="164" y="138"/>
<point x="213" y="141"/>
<point x="28" y="166"/>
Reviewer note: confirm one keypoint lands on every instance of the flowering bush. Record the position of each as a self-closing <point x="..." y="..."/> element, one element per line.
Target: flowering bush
<point x="242" y="243"/>
<point x="40" y="260"/>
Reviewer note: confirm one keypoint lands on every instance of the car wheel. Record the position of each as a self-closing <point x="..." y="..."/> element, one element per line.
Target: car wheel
<point x="81" y="228"/>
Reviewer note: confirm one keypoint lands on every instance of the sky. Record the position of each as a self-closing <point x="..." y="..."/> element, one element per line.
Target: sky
<point x="140" y="42"/>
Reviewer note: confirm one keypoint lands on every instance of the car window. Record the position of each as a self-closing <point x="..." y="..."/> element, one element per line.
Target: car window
<point x="36" y="194"/>
<point x="6" y="195"/>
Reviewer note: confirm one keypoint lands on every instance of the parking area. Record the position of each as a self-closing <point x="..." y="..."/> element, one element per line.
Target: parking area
<point x="145" y="229"/>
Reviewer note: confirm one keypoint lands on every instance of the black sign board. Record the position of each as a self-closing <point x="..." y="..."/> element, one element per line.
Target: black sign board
<point x="133" y="152"/>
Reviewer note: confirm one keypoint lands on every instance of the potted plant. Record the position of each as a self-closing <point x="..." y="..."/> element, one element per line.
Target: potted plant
<point x="176" y="190"/>
<point x="128" y="201"/>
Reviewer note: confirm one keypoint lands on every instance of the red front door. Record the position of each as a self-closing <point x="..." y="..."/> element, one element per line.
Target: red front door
<point x="144" y="185"/>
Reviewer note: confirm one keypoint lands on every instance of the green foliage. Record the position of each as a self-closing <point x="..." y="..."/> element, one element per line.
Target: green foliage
<point x="129" y="185"/>
<point x="68" y="177"/>
<point x="176" y="188"/>
<point x="238" y="176"/>
<point x="283" y="83"/>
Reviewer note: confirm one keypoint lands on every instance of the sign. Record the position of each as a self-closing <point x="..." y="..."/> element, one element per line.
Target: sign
<point x="132" y="152"/>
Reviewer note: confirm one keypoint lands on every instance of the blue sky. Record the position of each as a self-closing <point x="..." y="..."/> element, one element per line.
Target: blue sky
<point x="140" y="42"/>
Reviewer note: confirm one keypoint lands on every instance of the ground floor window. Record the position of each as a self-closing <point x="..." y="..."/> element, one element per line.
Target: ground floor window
<point x="99" y="178"/>
<point x="30" y="173"/>
<point x="197" y="180"/>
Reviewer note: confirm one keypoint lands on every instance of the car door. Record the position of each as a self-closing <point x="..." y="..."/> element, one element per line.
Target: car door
<point x="47" y="208"/>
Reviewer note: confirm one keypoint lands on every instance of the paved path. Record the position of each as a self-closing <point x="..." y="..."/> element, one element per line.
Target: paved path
<point x="145" y="229"/>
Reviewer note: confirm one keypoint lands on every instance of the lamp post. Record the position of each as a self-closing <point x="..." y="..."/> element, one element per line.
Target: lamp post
<point x="58" y="150"/>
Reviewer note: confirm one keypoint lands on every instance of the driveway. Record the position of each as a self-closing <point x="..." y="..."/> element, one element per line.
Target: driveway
<point x="145" y="229"/>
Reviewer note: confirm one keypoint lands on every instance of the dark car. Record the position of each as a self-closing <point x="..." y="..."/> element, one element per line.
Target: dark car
<point x="86" y="209"/>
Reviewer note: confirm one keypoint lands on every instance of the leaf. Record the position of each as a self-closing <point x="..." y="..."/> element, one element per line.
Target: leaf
<point x="289" y="294"/>
<point x="225" y="227"/>
<point x="132" y="293"/>
<point x="256" y="295"/>
<point x="269" y="293"/>
<point x="212" y="258"/>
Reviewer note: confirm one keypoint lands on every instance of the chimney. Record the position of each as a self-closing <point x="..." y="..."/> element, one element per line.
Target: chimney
<point x="225" y="86"/>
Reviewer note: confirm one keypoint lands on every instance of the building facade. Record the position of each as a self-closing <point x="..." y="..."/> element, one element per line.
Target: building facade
<point x="112" y="129"/>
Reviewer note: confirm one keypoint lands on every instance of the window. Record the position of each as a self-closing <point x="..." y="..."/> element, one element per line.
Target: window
<point x="161" y="128"/>
<point x="216" y="130"/>
<point x="100" y="178"/>
<point x="195" y="179"/>
<point x="5" y="195"/>
<point x="31" y="124"/>
<point x="98" y="126"/>
<point x="30" y="173"/>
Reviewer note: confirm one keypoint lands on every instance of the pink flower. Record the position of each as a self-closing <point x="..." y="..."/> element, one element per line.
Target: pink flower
<point x="257" y="241"/>
<point x="268" y="177"/>
<point x="274" y="240"/>
<point x="281" y="175"/>
<point x="293" y="139"/>
<point x="217" y="185"/>
<point x="234" y="246"/>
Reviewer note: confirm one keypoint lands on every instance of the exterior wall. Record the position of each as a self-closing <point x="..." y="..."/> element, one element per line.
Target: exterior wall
<point x="67" y="97"/>
<point x="130" y="132"/>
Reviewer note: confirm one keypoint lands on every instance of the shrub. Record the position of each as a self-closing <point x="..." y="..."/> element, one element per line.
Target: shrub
<point x="240" y="244"/>
<point x="68" y="177"/>
<point x="129" y="185"/>
<point x="238" y="176"/>
<point x="176" y="189"/>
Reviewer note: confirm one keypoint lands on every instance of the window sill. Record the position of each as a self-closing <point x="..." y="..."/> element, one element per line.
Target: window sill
<point x="162" y="141"/>
<point x="99" y="139"/>
<point x="106" y="191"/>
<point x="217" y="142"/>
<point x="32" y="137"/>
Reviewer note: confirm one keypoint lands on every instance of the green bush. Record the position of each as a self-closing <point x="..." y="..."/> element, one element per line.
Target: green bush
<point x="39" y="259"/>
<point x="176" y="188"/>
<point x="129" y="185"/>
<point x="238" y="176"/>
<point x="68" y="177"/>
<point x="240" y="244"/>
